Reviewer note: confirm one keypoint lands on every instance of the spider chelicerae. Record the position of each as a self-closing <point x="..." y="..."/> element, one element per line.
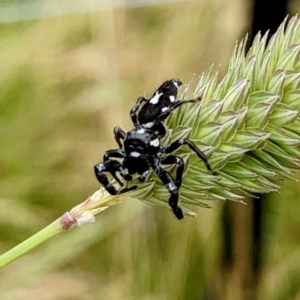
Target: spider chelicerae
<point x="140" y="149"/>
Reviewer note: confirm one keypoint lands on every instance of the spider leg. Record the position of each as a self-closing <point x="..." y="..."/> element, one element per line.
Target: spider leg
<point x="135" y="109"/>
<point x="169" y="183"/>
<point x="178" y="143"/>
<point x="117" y="153"/>
<point x="119" y="134"/>
<point x="143" y="176"/>
<point x="180" y="102"/>
<point x="175" y="105"/>
<point x="112" y="166"/>
<point x="114" y="175"/>
<point x="102" y="178"/>
<point x="171" y="160"/>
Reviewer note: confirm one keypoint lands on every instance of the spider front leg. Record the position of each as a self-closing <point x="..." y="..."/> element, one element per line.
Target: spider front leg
<point x="119" y="134"/>
<point x="169" y="183"/>
<point x="112" y="167"/>
<point x="134" y="109"/>
<point x="116" y="153"/>
<point x="175" y="145"/>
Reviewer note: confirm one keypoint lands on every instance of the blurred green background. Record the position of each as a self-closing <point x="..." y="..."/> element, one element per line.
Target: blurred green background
<point x="65" y="82"/>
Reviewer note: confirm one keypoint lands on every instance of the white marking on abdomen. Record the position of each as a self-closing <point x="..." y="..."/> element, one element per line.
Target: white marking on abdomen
<point x="172" y="98"/>
<point x="148" y="125"/>
<point x="175" y="83"/>
<point x="164" y="109"/>
<point x="155" y="98"/>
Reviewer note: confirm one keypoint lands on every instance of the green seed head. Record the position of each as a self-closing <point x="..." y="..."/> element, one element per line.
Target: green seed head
<point x="248" y="125"/>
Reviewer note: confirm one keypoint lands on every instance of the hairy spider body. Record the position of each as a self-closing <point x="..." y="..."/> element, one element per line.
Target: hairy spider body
<point x="143" y="150"/>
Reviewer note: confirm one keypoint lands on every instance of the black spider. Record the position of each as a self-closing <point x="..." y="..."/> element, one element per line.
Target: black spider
<point x="142" y="148"/>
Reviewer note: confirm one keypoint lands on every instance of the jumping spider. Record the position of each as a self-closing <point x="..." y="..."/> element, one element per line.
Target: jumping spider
<point x="142" y="148"/>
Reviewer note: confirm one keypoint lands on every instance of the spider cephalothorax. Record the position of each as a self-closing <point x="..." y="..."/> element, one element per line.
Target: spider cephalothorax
<point x="142" y="148"/>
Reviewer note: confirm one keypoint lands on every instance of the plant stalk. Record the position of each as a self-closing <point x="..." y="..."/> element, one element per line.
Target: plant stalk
<point x="40" y="237"/>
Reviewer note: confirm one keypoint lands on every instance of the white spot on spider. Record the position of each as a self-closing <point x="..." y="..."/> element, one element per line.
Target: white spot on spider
<point x="148" y="125"/>
<point x="175" y="83"/>
<point x="164" y="109"/>
<point x="154" y="143"/>
<point x="171" y="186"/>
<point x="154" y="100"/>
<point x="172" y="98"/>
<point x="142" y="130"/>
<point x="100" y="168"/>
<point x="134" y="154"/>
